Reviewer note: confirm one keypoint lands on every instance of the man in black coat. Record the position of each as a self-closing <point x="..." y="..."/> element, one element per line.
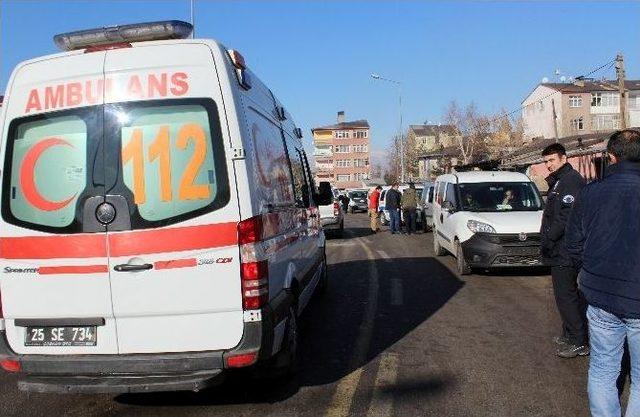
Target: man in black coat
<point x="564" y="185"/>
<point x="603" y="238"/>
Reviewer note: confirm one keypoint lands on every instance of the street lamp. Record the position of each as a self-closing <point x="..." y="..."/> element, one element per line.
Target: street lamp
<point x="399" y="85"/>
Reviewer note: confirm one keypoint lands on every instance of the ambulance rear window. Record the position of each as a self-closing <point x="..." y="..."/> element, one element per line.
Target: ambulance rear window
<point x="48" y="170"/>
<point x="168" y="159"/>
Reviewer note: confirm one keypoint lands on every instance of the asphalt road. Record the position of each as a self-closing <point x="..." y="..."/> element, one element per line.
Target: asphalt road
<point x="397" y="334"/>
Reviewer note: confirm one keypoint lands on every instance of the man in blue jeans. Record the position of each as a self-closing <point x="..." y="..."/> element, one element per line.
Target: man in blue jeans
<point x="603" y="239"/>
<point x="392" y="204"/>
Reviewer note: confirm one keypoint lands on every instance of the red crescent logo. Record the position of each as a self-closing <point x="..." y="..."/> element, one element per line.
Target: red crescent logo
<point x="27" y="173"/>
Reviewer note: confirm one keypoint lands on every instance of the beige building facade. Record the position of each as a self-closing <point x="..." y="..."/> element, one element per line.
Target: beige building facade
<point x="558" y="110"/>
<point x="342" y="153"/>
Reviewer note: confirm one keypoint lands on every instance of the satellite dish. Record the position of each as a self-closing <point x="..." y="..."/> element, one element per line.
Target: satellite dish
<point x="563" y="79"/>
<point x="545" y="80"/>
<point x="557" y="72"/>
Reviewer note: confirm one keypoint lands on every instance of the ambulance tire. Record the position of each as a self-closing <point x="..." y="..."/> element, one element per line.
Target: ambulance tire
<point x="285" y="362"/>
<point x="323" y="282"/>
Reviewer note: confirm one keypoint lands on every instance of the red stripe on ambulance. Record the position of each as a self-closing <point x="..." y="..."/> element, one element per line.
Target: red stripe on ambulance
<point x="73" y="269"/>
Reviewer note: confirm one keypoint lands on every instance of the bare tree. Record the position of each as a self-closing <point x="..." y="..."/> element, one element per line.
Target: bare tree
<point x="474" y="129"/>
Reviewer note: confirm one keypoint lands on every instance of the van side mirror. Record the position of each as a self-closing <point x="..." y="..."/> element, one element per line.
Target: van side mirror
<point x="448" y="206"/>
<point x="324" y="196"/>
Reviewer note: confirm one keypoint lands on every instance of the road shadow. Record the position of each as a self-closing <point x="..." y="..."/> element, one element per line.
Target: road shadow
<point x="331" y="326"/>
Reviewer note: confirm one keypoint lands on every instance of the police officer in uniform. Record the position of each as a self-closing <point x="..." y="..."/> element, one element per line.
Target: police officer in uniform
<point x="564" y="185"/>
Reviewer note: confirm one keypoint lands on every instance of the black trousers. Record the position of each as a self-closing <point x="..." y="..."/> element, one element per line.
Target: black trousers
<point x="571" y="304"/>
<point x="410" y="219"/>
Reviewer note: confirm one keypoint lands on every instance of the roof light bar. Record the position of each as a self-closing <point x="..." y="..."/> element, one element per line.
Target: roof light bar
<point x="139" y="32"/>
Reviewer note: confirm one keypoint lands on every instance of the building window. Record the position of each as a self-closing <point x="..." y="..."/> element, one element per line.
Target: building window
<point x="360" y="134"/>
<point x="634" y="101"/>
<point x="360" y="176"/>
<point x="343" y="148"/>
<point x="575" y="101"/>
<point x="605" y="122"/>
<point x="360" y="162"/>
<point x="605" y="99"/>
<point x="343" y="163"/>
<point x="342" y="134"/>
<point x="343" y="177"/>
<point x="577" y="124"/>
<point x="360" y="148"/>
<point x="540" y="105"/>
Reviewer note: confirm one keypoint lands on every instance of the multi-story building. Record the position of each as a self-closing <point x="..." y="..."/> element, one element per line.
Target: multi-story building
<point x="430" y="139"/>
<point x="342" y="153"/>
<point x="557" y="110"/>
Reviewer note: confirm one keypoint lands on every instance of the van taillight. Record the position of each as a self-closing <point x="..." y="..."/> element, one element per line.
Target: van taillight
<point x="10" y="365"/>
<point x="255" y="284"/>
<point x="254" y="270"/>
<point x="250" y="230"/>
<point x="336" y="209"/>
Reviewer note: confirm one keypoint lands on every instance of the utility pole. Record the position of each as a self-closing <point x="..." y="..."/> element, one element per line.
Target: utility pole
<point x="621" y="90"/>
<point x="398" y="84"/>
<point x="193" y="23"/>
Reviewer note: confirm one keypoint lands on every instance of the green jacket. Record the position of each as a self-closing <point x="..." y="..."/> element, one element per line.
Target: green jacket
<point x="409" y="198"/>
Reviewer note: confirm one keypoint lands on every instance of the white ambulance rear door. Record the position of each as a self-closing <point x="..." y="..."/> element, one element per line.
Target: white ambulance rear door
<point x="54" y="284"/>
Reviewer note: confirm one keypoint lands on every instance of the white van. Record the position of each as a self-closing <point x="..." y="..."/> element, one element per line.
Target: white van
<point x="159" y="220"/>
<point x="487" y="219"/>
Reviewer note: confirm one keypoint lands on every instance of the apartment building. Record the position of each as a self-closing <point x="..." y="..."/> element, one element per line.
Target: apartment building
<point x="429" y="139"/>
<point x="558" y="110"/>
<point x="342" y="153"/>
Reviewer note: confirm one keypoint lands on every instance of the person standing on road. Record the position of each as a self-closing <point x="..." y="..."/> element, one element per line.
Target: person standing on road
<point x="374" y="204"/>
<point x="392" y="204"/>
<point x="564" y="185"/>
<point x="603" y="239"/>
<point x="409" y="204"/>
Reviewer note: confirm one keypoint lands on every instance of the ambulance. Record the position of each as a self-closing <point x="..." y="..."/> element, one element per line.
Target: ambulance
<point x="159" y="221"/>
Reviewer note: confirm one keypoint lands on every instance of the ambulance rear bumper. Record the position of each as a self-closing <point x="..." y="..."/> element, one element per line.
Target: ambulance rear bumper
<point x="185" y="371"/>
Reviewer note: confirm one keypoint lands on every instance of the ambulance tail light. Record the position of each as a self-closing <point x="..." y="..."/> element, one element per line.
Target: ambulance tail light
<point x="255" y="284"/>
<point x="254" y="268"/>
<point x="250" y="230"/>
<point x="240" y="360"/>
<point x="139" y="32"/>
<point x="10" y="365"/>
<point x="336" y="209"/>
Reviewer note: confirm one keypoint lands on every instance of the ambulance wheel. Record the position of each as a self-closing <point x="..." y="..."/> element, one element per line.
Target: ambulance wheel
<point x="323" y="283"/>
<point x="461" y="264"/>
<point x="437" y="249"/>
<point x="287" y="359"/>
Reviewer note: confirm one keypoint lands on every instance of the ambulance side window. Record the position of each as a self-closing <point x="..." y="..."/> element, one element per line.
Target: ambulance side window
<point x="298" y="176"/>
<point x="312" y="188"/>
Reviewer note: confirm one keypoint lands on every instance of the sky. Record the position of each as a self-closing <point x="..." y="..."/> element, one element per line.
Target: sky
<point x="318" y="56"/>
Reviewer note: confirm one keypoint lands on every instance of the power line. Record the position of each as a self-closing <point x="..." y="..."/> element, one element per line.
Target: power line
<point x="509" y="114"/>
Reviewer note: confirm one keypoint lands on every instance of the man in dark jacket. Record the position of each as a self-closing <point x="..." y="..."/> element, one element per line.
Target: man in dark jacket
<point x="564" y="185"/>
<point x="392" y="204"/>
<point x="603" y="239"/>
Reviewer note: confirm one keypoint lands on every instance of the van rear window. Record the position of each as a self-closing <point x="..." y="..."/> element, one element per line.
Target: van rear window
<point x="167" y="160"/>
<point x="49" y="170"/>
<point x="166" y="157"/>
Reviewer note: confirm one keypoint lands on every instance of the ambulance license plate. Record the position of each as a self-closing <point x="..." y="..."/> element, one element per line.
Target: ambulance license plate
<point x="61" y="336"/>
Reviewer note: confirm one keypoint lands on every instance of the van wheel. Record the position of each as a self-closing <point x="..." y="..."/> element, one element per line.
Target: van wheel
<point x="323" y="283"/>
<point x="461" y="264"/>
<point x="287" y="359"/>
<point x="437" y="249"/>
<point x="383" y="220"/>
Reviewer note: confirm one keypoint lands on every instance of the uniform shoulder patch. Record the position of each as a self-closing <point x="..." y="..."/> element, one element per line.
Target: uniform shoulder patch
<point x="568" y="199"/>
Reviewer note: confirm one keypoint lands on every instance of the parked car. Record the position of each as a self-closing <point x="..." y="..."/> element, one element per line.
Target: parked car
<point x="159" y="225"/>
<point x="487" y="219"/>
<point x="332" y="215"/>
<point x="426" y="206"/>
<point x="357" y="200"/>
<point x="386" y="218"/>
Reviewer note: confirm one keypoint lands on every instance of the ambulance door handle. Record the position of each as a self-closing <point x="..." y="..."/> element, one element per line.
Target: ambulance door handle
<point x="132" y="267"/>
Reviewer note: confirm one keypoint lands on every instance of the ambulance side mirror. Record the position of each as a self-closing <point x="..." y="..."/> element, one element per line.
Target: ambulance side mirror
<point x="324" y="196"/>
